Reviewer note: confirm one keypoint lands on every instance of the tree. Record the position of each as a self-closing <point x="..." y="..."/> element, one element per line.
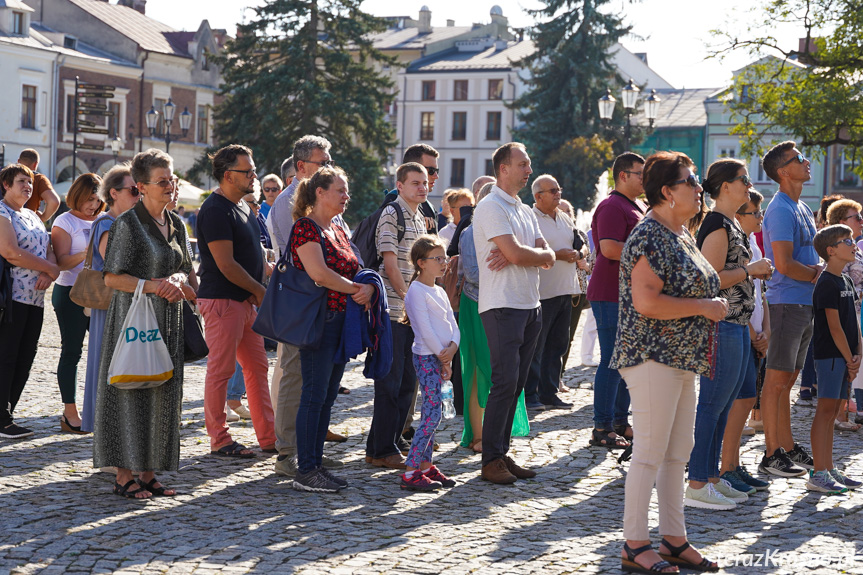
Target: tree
<point x="568" y="73"/>
<point x="812" y="92"/>
<point x="308" y="67"/>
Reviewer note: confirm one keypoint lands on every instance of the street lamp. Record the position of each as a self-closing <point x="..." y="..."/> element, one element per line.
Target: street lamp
<point x="116" y="145"/>
<point x="629" y="100"/>
<point x="169" y="109"/>
<point x="651" y="107"/>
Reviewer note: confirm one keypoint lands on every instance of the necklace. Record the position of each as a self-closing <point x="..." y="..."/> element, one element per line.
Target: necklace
<point x="165" y="223"/>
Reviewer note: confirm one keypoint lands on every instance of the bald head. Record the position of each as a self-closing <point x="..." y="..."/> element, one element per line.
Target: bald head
<point x="543" y="182"/>
<point x="479" y="183"/>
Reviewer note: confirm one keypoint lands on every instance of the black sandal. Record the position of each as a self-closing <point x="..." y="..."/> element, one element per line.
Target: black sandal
<point x="604" y="439"/>
<point x="344" y="390"/>
<point x="622" y="429"/>
<point x="674" y="558"/>
<point x="631" y="566"/>
<point x="123" y="490"/>
<point x="157" y="491"/>
<point x="233" y="450"/>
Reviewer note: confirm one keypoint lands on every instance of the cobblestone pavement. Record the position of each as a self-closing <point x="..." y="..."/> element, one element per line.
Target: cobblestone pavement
<point x="238" y="516"/>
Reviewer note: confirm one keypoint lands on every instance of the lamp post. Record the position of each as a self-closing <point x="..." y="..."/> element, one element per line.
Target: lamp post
<point x="116" y="146"/>
<point x="629" y="100"/>
<point x="170" y="108"/>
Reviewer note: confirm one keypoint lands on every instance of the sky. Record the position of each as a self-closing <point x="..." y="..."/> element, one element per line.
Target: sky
<point x="674" y="33"/>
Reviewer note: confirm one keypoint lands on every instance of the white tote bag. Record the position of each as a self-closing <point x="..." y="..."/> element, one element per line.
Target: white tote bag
<point x="141" y="359"/>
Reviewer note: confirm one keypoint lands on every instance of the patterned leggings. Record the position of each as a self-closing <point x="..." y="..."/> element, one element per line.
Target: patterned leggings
<point x="428" y="373"/>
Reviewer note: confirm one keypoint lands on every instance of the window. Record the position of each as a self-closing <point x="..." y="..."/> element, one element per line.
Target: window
<point x="203" y="125"/>
<point x="205" y="62"/>
<point x="459" y="125"/>
<point x="495" y="89"/>
<point x="428" y="90"/>
<point x="18" y="23"/>
<point x="70" y="113"/>
<point x="70" y="42"/>
<point x="492" y="130"/>
<point x="848" y="161"/>
<point x="114" y="121"/>
<point x="159" y="105"/>
<point x="456" y="179"/>
<point x="727" y="152"/>
<point x="28" y="107"/>
<point x="489" y="168"/>
<point x="460" y="90"/>
<point x="427" y="126"/>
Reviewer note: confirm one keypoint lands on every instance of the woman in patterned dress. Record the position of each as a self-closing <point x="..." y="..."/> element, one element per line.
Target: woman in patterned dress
<point x="25" y="246"/>
<point x="140" y="428"/>
<point x="726" y="247"/>
<point x="668" y="315"/>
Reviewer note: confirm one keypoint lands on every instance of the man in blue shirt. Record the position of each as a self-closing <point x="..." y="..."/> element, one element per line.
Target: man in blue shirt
<point x="789" y="229"/>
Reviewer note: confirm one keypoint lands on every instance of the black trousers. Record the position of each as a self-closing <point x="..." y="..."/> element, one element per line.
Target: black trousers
<point x="18" y="342"/>
<point x="512" y="335"/>
<point x="579" y="304"/>
<point x="393" y="395"/>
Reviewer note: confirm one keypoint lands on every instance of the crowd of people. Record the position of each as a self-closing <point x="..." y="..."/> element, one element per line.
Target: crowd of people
<point x="699" y="333"/>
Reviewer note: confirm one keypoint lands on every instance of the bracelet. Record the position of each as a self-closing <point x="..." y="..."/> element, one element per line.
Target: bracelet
<point x="746" y="271"/>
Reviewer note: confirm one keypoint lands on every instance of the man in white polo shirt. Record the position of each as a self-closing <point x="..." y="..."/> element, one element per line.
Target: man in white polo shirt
<point x="556" y="288"/>
<point x="508" y="302"/>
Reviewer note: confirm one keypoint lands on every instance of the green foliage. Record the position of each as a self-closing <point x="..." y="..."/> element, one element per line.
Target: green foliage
<point x="307" y="67"/>
<point x="814" y="92"/>
<point x="568" y="73"/>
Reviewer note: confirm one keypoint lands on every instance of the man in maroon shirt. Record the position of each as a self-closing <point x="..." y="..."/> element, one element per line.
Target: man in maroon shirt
<point x="613" y="220"/>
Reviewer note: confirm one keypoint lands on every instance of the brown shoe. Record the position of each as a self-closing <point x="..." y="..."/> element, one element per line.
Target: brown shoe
<point x="368" y="458"/>
<point x="496" y="472"/>
<point x="331" y="436"/>
<point x="518" y="471"/>
<point x="394" y="461"/>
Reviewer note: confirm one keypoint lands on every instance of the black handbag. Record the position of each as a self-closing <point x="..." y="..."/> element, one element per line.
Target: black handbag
<point x="193" y="335"/>
<point x="295" y="307"/>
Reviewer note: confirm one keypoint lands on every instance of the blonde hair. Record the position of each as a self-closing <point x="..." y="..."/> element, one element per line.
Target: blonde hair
<point x="456" y="196"/>
<point x="423" y="246"/>
<point x="838" y="210"/>
<point x="306" y="196"/>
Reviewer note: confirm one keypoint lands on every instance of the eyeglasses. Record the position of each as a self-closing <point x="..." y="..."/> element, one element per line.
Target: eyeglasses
<point x="847" y="241"/>
<point x="271" y="190"/>
<point x="553" y="191"/>
<point x="174" y="182"/>
<point x="857" y="217"/>
<point x="433" y="171"/>
<point x="692" y="180"/>
<point x="631" y="173"/>
<point x="747" y="181"/>
<point x="757" y="213"/>
<point x="439" y="259"/>
<point x="246" y="172"/>
<point x="134" y="192"/>
<point x="324" y="164"/>
<point x="799" y="157"/>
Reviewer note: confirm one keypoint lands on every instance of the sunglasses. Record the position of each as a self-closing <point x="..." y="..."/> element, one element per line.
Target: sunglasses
<point x="433" y="171"/>
<point x="169" y="183"/>
<point x="757" y="213"/>
<point x="324" y="164"/>
<point x="246" y="172"/>
<point x="134" y="192"/>
<point x="271" y="190"/>
<point x="692" y="180"/>
<point x="439" y="259"/>
<point x="847" y="241"/>
<point x="857" y="217"/>
<point x="553" y="191"/>
<point x="799" y="157"/>
<point x="747" y="181"/>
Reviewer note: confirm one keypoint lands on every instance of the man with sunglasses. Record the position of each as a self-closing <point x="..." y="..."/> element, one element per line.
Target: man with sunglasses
<point x="789" y="231"/>
<point x="427" y="157"/>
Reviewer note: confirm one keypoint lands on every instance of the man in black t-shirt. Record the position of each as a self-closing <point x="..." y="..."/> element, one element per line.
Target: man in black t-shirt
<point x="232" y="267"/>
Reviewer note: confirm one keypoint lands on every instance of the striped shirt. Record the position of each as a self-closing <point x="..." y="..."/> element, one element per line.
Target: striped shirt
<point x="387" y="241"/>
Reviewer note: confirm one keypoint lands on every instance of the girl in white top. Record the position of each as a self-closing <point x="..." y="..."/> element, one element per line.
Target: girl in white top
<point x="436" y="339"/>
<point x="70" y="237"/>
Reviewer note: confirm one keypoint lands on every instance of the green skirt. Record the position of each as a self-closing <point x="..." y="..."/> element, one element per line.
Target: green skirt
<point x="476" y="360"/>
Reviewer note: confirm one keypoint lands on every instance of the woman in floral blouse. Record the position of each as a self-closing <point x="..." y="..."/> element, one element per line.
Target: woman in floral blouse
<point x="667" y="333"/>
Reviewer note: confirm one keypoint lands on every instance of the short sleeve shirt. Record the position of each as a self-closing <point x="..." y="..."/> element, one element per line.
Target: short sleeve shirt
<point x="562" y="278"/>
<point x="221" y="219"/>
<point x="834" y="292"/>
<point x="387" y="240"/>
<point x="788" y="221"/>
<point x="614" y="219"/>
<point x="101" y="226"/>
<point x="40" y="184"/>
<point x="79" y="231"/>
<point x="516" y="287"/>
<point x="32" y="237"/>
<point x="338" y="256"/>
<point x="740" y="296"/>
<point x="687" y="343"/>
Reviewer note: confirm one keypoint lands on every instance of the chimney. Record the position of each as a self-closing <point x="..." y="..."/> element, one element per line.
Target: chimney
<point x="450" y="23"/>
<point x="802" y="47"/>
<point x="500" y="44"/>
<point x="425" y="20"/>
<point x="139" y="5"/>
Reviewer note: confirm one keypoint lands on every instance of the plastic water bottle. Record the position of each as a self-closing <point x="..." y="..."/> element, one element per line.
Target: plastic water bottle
<point x="447" y="399"/>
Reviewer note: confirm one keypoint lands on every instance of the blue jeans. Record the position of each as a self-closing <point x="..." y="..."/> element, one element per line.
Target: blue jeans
<point x="321" y="378"/>
<point x="716" y="397"/>
<point x="610" y="396"/>
<point x="236" y="385"/>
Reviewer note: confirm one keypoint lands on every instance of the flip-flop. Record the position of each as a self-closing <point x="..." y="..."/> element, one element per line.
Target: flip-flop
<point x="233" y="450"/>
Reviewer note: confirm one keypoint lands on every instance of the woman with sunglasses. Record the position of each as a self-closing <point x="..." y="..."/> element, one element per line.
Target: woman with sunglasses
<point x="118" y="191"/>
<point x="724" y="244"/>
<point x="668" y="313"/>
<point x="848" y="212"/>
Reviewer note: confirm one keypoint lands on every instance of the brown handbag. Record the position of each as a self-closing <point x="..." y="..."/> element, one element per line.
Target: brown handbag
<point x="89" y="289"/>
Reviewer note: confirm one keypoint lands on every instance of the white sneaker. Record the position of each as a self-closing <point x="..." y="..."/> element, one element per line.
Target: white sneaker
<point x="724" y="487"/>
<point x="589" y="362"/>
<point x="230" y="416"/>
<point x="748" y="430"/>
<point x="708" y="498"/>
<point x="243" y="412"/>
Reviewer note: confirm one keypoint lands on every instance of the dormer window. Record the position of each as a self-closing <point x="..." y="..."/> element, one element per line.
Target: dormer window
<point x="18" y="23"/>
<point x="70" y="42"/>
<point x="205" y="62"/>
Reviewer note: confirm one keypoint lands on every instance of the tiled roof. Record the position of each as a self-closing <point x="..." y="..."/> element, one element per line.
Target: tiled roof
<point x="679" y="108"/>
<point x="489" y="59"/>
<point x="412" y="39"/>
<point x="149" y="34"/>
